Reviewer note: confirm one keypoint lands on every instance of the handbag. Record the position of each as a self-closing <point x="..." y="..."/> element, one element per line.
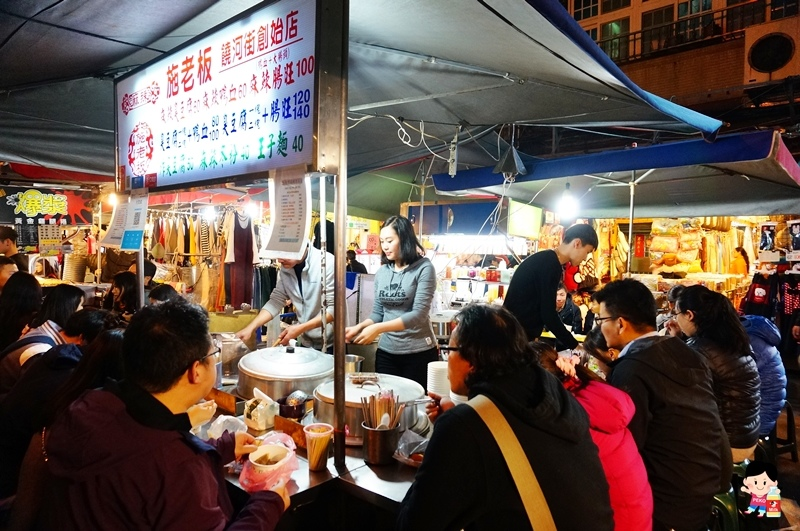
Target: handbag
<point x="518" y="464"/>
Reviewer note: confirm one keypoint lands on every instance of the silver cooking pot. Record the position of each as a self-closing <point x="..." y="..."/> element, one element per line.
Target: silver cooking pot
<point x="405" y="389"/>
<point x="280" y="370"/>
<point x="442" y="323"/>
<point x="232" y="350"/>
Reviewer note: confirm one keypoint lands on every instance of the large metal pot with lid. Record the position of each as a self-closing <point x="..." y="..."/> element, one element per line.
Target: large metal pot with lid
<point x="280" y="370"/>
<point x="406" y="390"/>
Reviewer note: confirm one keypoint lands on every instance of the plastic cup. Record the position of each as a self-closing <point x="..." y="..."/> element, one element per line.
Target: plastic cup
<point x="318" y="438"/>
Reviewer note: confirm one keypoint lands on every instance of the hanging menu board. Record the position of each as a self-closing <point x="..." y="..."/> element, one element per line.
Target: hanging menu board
<point x="290" y="202"/>
<point x="237" y="100"/>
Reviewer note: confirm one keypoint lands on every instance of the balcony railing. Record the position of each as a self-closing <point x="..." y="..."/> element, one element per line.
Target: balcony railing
<point x="720" y="24"/>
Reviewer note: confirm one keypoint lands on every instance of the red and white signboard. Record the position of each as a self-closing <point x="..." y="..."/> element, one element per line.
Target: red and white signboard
<point x="237" y="101"/>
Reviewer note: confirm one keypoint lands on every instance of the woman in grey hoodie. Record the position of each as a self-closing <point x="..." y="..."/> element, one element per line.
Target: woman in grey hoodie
<point x="404" y="287"/>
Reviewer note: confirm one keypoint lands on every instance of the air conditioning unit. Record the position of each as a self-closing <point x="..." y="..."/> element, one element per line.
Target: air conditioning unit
<point x="771" y="51"/>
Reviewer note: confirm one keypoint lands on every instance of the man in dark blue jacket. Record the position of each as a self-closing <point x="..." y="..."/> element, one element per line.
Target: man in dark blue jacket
<point x="676" y="426"/>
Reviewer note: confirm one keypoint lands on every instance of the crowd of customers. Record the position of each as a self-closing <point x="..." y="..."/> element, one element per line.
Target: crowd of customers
<point x="98" y="405"/>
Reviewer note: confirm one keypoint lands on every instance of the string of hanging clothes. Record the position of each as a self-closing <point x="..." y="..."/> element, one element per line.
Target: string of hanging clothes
<point x="217" y="256"/>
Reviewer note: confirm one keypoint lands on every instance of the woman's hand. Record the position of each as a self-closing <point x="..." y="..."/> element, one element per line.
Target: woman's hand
<point x="351" y="332"/>
<point x="244" y="444"/>
<point x="439" y="405"/>
<point x="673" y="328"/>
<point x="366" y="336"/>
<point x="201" y="413"/>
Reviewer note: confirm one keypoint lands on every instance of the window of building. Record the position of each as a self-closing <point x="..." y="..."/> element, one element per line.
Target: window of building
<point x="592" y="32"/>
<point x="613" y="5"/>
<point x="657" y="28"/>
<point x="585" y="9"/>
<point x="783" y="8"/>
<point x="693" y="25"/>
<point x="614" y="38"/>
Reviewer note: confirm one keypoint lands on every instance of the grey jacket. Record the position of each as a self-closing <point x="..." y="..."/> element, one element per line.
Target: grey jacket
<point x="406" y="294"/>
<point x="307" y="304"/>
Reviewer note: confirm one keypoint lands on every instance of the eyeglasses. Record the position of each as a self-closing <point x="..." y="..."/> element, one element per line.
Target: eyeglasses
<point x="445" y="350"/>
<point x="217" y="350"/>
<point x="599" y="320"/>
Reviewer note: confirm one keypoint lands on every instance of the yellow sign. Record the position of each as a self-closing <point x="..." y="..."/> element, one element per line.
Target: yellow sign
<point x="33" y="203"/>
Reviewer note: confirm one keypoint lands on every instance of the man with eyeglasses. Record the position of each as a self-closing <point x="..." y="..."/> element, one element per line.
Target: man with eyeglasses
<point x="124" y="457"/>
<point x="676" y="425"/>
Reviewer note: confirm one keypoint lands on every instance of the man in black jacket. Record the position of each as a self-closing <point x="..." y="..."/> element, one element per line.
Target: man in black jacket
<point x="676" y="426"/>
<point x="532" y="292"/>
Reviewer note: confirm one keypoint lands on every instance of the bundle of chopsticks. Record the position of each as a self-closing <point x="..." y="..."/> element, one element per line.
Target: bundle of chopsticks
<point x="376" y="406"/>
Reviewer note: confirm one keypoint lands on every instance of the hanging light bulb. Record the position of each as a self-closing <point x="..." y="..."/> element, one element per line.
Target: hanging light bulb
<point x="209" y="213"/>
<point x="568" y="205"/>
<point x="112" y="199"/>
<point x="251" y="209"/>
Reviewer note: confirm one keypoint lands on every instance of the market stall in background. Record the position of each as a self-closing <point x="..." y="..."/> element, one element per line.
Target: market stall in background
<point x="55" y="231"/>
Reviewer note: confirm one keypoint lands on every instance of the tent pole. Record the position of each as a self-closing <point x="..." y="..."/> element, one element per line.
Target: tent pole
<point x="632" y="186"/>
<point x="332" y="53"/>
<point x="323" y="245"/>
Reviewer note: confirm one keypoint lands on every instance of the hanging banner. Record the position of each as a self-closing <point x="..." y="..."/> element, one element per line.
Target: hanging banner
<point x="236" y="101"/>
<point x="290" y="209"/>
<point x="35" y="206"/>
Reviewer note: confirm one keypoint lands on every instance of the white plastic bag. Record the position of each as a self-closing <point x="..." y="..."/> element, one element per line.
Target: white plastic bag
<point x="225" y="423"/>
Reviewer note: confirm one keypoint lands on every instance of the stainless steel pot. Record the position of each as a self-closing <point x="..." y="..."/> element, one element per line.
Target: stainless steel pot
<point x="232" y="350"/>
<point x="442" y="323"/>
<point x="280" y="370"/>
<point x="406" y="390"/>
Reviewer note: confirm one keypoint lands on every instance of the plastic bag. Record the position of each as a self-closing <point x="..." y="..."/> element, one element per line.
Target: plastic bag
<point x="225" y="423"/>
<point x="411" y="448"/>
<point x="253" y="480"/>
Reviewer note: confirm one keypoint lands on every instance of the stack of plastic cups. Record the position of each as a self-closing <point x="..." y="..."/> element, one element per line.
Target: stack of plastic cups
<point x="437" y="378"/>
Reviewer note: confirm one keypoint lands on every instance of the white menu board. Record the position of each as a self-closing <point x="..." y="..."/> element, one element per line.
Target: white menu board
<point x="290" y="204"/>
<point x="238" y="101"/>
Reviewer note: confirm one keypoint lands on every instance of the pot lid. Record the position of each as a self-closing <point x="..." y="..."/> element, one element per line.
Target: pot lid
<point x="286" y="362"/>
<point x="404" y="388"/>
<point x="444" y="316"/>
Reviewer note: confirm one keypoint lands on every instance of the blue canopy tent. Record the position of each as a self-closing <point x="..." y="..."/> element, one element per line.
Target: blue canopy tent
<point x="741" y="174"/>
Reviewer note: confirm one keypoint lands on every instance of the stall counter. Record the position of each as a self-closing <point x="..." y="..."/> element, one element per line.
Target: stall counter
<point x="381" y="487"/>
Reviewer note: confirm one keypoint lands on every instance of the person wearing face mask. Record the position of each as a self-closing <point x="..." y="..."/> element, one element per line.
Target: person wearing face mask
<point x="404" y="287"/>
<point x="301" y="282"/>
<point x="531" y="294"/>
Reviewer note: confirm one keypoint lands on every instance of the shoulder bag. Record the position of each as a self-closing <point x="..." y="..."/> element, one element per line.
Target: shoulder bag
<point x="518" y="464"/>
